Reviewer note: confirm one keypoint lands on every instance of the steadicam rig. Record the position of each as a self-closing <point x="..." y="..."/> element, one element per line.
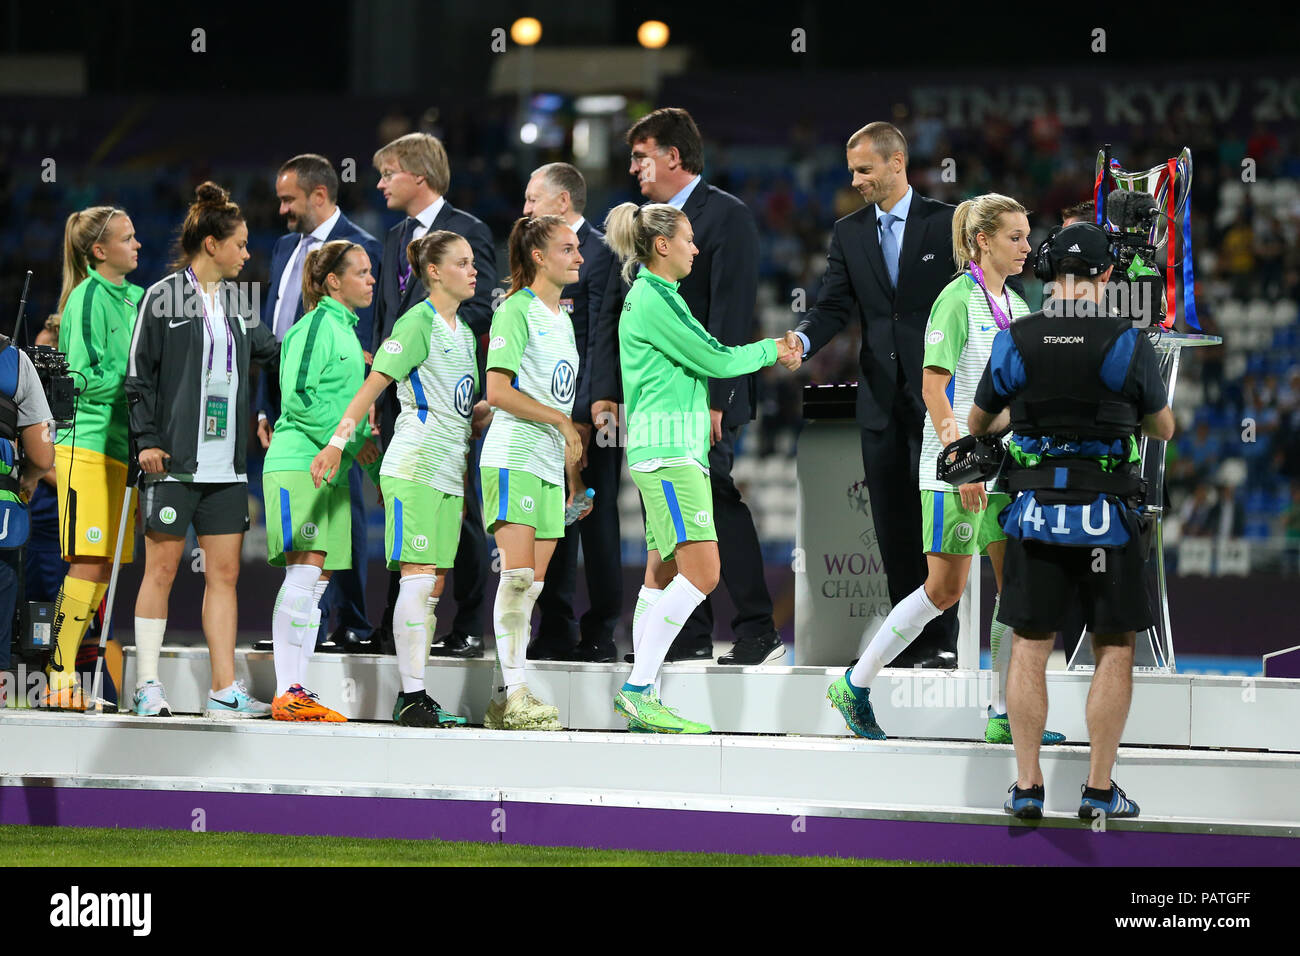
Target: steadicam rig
<point x="973" y="458"/>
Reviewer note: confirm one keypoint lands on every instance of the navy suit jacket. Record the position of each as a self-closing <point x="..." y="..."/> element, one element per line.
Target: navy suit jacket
<point x="856" y="286"/>
<point x="268" y="389"/>
<point x="391" y="303"/>
<point x="721" y="291"/>
<point x="583" y="300"/>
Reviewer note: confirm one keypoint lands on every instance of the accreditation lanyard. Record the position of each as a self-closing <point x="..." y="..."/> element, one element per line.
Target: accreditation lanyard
<point x="207" y="324"/>
<point x="216" y="410"/>
<point x="1003" y="319"/>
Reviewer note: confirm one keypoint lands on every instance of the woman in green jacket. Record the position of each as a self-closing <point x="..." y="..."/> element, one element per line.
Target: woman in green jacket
<point x="667" y="359"/>
<point x="99" y="308"/>
<point x="309" y="528"/>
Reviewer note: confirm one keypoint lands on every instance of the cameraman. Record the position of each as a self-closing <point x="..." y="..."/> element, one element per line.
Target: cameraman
<point x="1080" y="386"/>
<point x="24" y="419"/>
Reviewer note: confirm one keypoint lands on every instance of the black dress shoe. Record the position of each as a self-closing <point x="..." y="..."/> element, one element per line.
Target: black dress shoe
<point x="381" y="642"/>
<point x="593" y="652"/>
<point x="464" y="646"/>
<point x="691" y="649"/>
<point x="939" y="660"/>
<point x="629" y="657"/>
<point x="544" y="649"/>
<point x="346" y="641"/>
<point x="263" y="645"/>
<point x="755" y="649"/>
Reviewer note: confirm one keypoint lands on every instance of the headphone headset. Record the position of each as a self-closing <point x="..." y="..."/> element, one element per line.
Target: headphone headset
<point x="1043" y="268"/>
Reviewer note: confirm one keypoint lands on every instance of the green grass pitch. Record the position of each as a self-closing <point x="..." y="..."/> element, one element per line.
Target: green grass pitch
<point x="86" y="846"/>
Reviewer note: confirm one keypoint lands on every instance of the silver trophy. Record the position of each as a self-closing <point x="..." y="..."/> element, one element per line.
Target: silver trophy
<point x="1148" y="218"/>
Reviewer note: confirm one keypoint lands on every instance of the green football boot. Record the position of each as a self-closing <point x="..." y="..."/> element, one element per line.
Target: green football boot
<point x="855" y="710"/>
<point x="646" y="711"/>
<point x="998" y="731"/>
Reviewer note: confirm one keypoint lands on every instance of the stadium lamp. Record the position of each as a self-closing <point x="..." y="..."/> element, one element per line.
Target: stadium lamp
<point x="653" y="34"/>
<point x="526" y="31"/>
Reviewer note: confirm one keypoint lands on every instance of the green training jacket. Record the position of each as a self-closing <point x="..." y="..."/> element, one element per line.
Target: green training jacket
<point x="667" y="359"/>
<point x="321" y="369"/>
<point x="95" y="332"/>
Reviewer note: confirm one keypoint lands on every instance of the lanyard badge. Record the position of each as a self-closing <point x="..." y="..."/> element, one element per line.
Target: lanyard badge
<point x="1003" y="319"/>
<point x="216" y="407"/>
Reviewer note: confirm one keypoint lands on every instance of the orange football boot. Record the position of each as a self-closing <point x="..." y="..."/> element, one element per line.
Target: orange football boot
<point x="298" y="703"/>
<point x="64" y="698"/>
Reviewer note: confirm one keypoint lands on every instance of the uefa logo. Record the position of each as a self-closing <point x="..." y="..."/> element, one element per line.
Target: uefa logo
<point x="464" y="396"/>
<point x="563" y="381"/>
<point x="527" y="503"/>
<point x="309" y="531"/>
<point x="419" y="542"/>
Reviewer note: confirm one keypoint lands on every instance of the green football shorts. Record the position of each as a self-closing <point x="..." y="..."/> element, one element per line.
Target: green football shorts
<point x="421" y="524"/>
<point x="520" y="497"/>
<point x="302" y="517"/>
<point x="948" y="528"/>
<point x="678" y="507"/>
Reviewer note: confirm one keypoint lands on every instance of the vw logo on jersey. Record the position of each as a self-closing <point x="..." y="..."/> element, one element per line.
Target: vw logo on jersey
<point x="464" y="396"/>
<point x="563" y="381"/>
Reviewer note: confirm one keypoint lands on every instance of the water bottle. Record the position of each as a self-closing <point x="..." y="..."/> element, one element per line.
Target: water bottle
<point x="580" y="507"/>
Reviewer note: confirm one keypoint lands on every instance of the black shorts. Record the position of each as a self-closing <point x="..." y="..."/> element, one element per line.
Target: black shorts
<point x="170" y="507"/>
<point x="1040" y="582"/>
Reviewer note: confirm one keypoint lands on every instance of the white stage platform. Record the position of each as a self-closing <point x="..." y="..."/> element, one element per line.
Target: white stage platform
<point x="1168" y="711"/>
<point x="908" y="799"/>
<point x="793" y="782"/>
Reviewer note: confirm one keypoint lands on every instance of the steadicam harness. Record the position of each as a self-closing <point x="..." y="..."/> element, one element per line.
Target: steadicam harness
<point x="1056" y="404"/>
<point x="15" y="524"/>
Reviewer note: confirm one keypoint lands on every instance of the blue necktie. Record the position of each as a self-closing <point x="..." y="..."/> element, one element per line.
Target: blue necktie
<point x="287" y="308"/>
<point x="889" y="246"/>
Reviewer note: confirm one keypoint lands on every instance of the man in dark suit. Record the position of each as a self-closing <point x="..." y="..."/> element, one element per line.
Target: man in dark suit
<point x="308" y="189"/>
<point x="558" y="189"/>
<point x="414" y="175"/>
<point x="721" y="290"/>
<point x="887" y="264"/>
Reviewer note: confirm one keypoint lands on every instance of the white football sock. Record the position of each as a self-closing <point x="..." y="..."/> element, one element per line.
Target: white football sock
<point x="411" y="628"/>
<point x="1000" y="646"/>
<point x="149" y="633"/>
<point x="313" y="633"/>
<point x="646" y="598"/>
<point x="511" y="624"/>
<point x="905" y="621"/>
<point x="674" y="606"/>
<point x="290" y="622"/>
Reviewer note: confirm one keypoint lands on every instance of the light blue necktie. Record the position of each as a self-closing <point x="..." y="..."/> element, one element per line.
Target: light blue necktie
<point x="889" y="246"/>
<point x="286" y="308"/>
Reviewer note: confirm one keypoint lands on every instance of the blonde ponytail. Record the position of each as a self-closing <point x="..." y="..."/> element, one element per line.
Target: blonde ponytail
<point x="631" y="230"/>
<point x="80" y="233"/>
